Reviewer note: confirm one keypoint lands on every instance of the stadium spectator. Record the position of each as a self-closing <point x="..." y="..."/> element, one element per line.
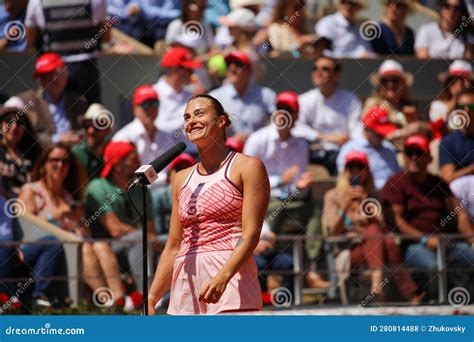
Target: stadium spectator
<point x="179" y="66"/>
<point x="343" y="31"/>
<point x="381" y="153"/>
<point x="286" y="158"/>
<point x="163" y="204"/>
<point x="248" y="104"/>
<point x="422" y="206"/>
<point x="96" y="124"/>
<point x="392" y="92"/>
<point x="287" y="31"/>
<point x="56" y="195"/>
<point x="76" y="31"/>
<point x="54" y="108"/>
<point x="395" y="38"/>
<point x="43" y="261"/>
<point x="19" y="149"/>
<point x="456" y="151"/>
<point x="192" y="25"/>
<point x="463" y="189"/>
<point x="12" y="25"/>
<point x="142" y="132"/>
<point x="329" y="115"/>
<point x="443" y="39"/>
<point x="241" y="26"/>
<point x="458" y="79"/>
<point x="115" y="218"/>
<point x="346" y="214"/>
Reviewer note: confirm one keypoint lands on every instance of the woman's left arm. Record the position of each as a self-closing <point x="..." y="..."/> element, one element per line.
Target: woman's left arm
<point x="256" y="195"/>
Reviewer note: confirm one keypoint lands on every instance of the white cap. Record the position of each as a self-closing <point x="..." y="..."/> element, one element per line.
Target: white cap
<point x="242" y="3"/>
<point x="94" y="111"/>
<point x="14" y="102"/>
<point x="460" y="67"/>
<point x="240" y="17"/>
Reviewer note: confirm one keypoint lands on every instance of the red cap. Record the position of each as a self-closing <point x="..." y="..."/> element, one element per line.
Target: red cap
<point x="238" y="56"/>
<point x="234" y="144"/>
<point x="115" y="151"/>
<point x="183" y="158"/>
<point x="46" y="63"/>
<point x="144" y="93"/>
<point x="356" y="156"/>
<point x="179" y="57"/>
<point x="418" y="141"/>
<point x="288" y="98"/>
<point x="376" y="119"/>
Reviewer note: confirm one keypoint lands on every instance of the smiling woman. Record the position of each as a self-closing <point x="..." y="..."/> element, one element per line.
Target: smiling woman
<point x="215" y="224"/>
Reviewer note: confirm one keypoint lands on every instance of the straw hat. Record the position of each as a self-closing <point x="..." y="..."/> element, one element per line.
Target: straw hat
<point x="391" y="68"/>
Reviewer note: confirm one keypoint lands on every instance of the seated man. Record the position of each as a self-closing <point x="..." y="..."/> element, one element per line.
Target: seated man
<point x="286" y="159"/>
<point x="382" y="154"/>
<point x="54" y="108"/>
<point x="110" y="213"/>
<point x="329" y="115"/>
<point x="456" y="150"/>
<point x="422" y="206"/>
<point x="248" y="104"/>
<point x="90" y="151"/>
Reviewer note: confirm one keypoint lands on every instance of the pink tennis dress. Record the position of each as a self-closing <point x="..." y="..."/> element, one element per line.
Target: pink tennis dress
<point x="210" y="211"/>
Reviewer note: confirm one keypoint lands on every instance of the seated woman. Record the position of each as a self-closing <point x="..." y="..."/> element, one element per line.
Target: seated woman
<point x="19" y="149"/>
<point x="350" y="209"/>
<point x="392" y="92"/>
<point x="56" y="195"/>
<point x="395" y="36"/>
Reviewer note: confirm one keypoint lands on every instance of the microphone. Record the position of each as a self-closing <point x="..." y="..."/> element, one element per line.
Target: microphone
<point x="147" y="174"/>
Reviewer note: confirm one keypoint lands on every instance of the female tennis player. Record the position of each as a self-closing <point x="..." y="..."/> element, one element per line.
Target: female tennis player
<point x="218" y="210"/>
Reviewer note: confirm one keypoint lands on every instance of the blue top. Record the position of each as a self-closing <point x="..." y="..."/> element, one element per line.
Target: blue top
<point x="16" y="42"/>
<point x="456" y="148"/>
<point x="387" y="45"/>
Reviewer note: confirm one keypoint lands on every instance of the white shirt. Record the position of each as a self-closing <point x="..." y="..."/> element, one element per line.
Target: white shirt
<point x="463" y="189"/>
<point x="439" y="44"/>
<point x="340" y="113"/>
<point x="35" y="19"/>
<point x="147" y="149"/>
<point x="345" y="37"/>
<point x="249" y="112"/>
<point x="277" y="156"/>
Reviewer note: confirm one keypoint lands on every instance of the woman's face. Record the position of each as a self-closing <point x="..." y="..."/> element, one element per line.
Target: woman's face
<point x="450" y="12"/>
<point x="13" y="129"/>
<point x="392" y="87"/>
<point x="457" y="85"/>
<point x="201" y="124"/>
<point x="396" y="11"/>
<point x="195" y="10"/>
<point x="358" y="169"/>
<point x="57" y="165"/>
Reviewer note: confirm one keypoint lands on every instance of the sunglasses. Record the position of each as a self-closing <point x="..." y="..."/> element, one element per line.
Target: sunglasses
<point x="465" y="106"/>
<point x="323" y="68"/>
<point x="150" y="104"/>
<point x="355" y="165"/>
<point x="238" y="64"/>
<point x="57" y="161"/>
<point x="350" y="3"/>
<point x="14" y="120"/>
<point x="451" y="7"/>
<point x="410" y="152"/>
<point x="388" y="80"/>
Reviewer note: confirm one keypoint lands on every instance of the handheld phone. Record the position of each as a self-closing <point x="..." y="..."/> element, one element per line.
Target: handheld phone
<point x="355" y="180"/>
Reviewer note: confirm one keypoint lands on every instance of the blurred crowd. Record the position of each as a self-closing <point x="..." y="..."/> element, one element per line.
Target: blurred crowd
<point x="393" y="168"/>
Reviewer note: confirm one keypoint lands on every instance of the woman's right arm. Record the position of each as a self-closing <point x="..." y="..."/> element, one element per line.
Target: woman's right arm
<point x="164" y="271"/>
<point x="334" y="221"/>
